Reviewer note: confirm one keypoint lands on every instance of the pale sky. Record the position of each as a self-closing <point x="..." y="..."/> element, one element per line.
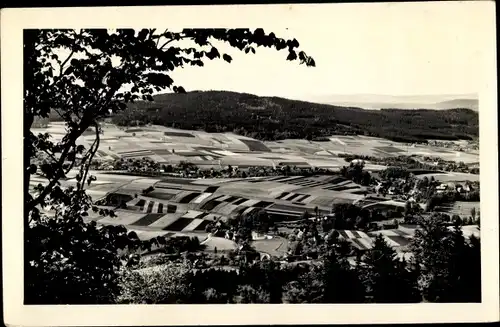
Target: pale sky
<point x="389" y="52"/>
<point x="383" y="49"/>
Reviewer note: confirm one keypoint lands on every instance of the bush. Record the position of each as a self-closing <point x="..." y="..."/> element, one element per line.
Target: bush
<point x="148" y="190"/>
<point x="72" y="262"/>
<point x="166" y="284"/>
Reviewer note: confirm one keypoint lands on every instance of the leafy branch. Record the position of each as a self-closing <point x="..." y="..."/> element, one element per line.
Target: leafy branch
<point x="83" y="89"/>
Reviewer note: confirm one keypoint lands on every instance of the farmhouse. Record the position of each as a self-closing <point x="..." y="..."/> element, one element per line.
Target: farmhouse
<point x="443" y="187"/>
<point x="358" y="162"/>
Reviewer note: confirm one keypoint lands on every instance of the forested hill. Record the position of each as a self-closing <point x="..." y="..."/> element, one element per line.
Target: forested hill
<point x="273" y="118"/>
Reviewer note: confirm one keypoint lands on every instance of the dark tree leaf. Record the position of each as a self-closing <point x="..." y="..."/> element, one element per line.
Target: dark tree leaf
<point x="291" y="56"/>
<point x="227" y="58"/>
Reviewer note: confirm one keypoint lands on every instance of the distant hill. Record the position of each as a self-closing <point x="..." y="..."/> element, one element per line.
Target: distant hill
<point x="274" y="118"/>
<point x="372" y="101"/>
<point x="472" y="104"/>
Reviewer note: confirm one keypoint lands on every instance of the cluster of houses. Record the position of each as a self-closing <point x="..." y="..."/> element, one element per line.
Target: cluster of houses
<point x="396" y="189"/>
<point x="454" y="145"/>
<point x="461" y="188"/>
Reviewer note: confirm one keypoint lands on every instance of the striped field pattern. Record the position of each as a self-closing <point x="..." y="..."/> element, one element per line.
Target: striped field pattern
<point x="351" y="234"/>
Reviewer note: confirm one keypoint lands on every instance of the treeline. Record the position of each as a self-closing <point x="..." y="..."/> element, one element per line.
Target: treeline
<point x="273" y="118"/>
<point x="148" y="167"/>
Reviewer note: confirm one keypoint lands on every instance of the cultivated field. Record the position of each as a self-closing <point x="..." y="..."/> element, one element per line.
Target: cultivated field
<point x="451" y="177"/>
<point x="462" y="209"/>
<point x="180" y="206"/>
<point x="171" y="146"/>
<point x="277" y="246"/>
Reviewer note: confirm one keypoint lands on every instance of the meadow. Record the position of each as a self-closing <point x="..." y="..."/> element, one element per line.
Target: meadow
<point x="172" y="146"/>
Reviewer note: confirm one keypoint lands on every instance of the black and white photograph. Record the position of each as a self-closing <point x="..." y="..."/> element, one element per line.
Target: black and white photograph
<point x="310" y="154"/>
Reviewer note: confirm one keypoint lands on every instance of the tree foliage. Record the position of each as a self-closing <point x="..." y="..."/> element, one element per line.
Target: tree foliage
<point x="72" y="263"/>
<point x="307" y="288"/>
<point x="387" y="278"/>
<point x="342" y="283"/>
<point x="333" y="280"/>
<point x="165" y="284"/>
<point x="451" y="265"/>
<point x="356" y="173"/>
<point x="84" y="76"/>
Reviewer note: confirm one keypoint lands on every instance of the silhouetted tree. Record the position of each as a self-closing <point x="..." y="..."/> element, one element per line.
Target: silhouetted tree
<point x="342" y="284"/>
<point x="451" y="269"/>
<point x="388" y="279"/>
<point x="79" y="75"/>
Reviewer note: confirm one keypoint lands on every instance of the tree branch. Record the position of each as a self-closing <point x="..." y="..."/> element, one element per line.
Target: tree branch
<point x="158" y="40"/>
<point x="70" y="166"/>
<point x="95" y="146"/>
<point x="91" y="153"/>
<point x="171" y="40"/>
<point x="72" y="136"/>
<point x="61" y="66"/>
<point x="51" y="155"/>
